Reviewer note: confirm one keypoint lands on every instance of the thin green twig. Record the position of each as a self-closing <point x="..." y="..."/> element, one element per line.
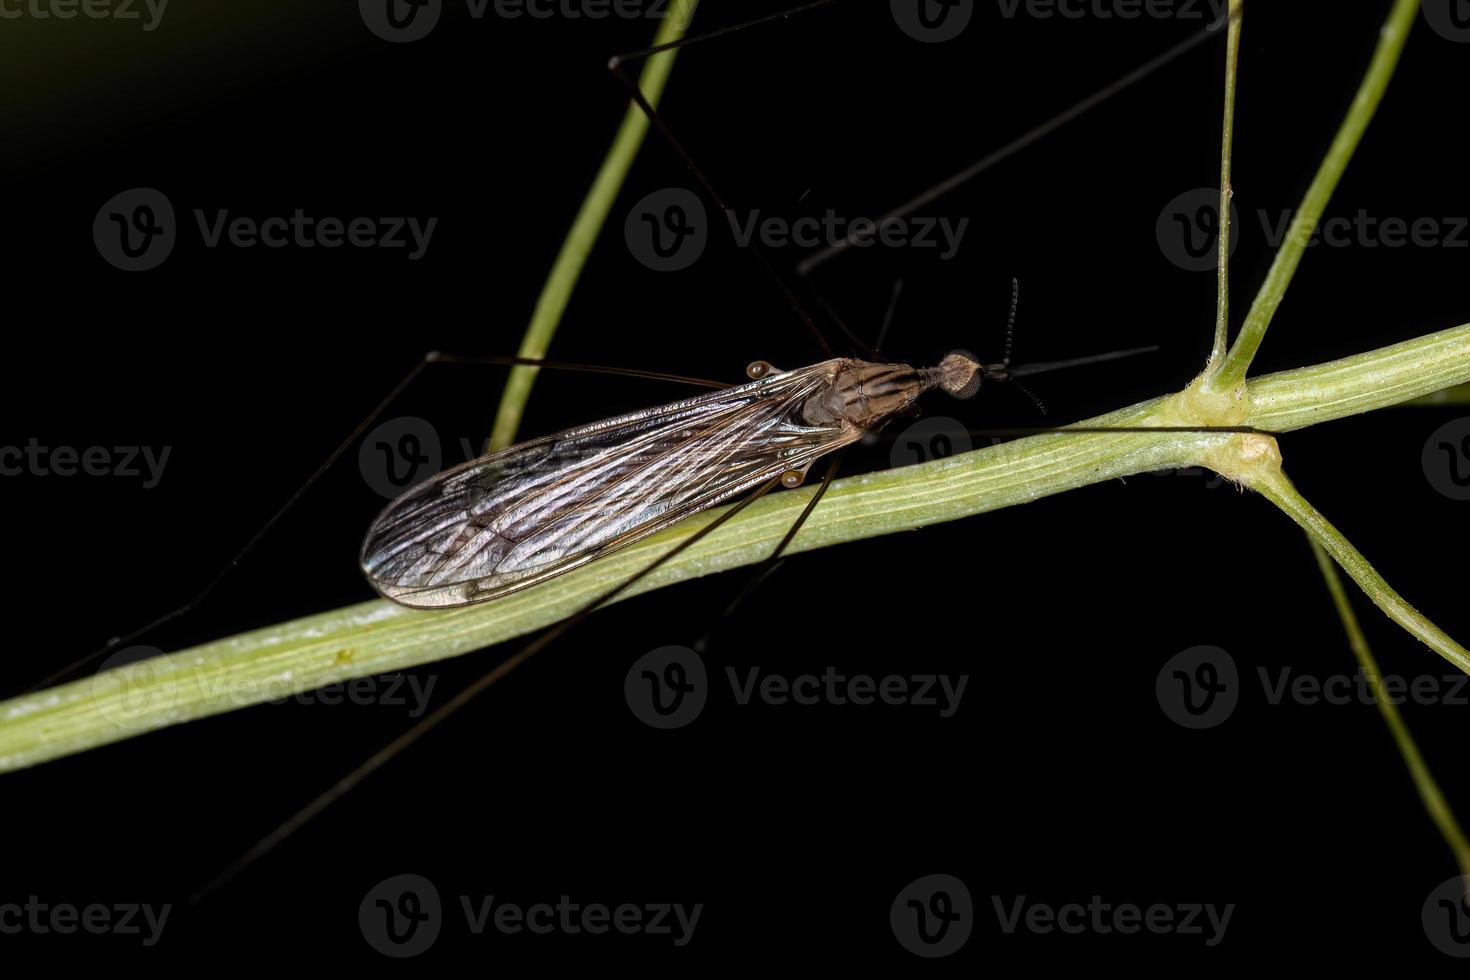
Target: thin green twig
<point x="1272" y="484"/>
<point x="1391" y="40"/>
<point x="1424" y="782"/>
<point x="377" y="637"/>
<point x="1227" y="141"/>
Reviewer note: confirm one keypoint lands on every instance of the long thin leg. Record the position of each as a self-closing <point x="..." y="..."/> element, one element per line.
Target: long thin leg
<point x="831" y="311"/>
<point x="768" y="566"/>
<point x="888" y="315"/>
<point x="1016" y="432"/>
<point x="809" y="264"/>
<point x="1026" y="139"/>
<point x="615" y="65"/>
<point x="255" y="539"/>
<point x="432" y="720"/>
<point x="432" y="358"/>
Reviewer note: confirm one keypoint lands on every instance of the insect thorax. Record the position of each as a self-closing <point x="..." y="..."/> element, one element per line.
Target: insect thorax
<point x="867" y="395"/>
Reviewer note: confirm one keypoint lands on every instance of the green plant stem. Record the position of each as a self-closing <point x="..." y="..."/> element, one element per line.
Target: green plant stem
<point x="1227" y="141"/>
<point x="1458" y="395"/>
<point x="1391" y="40"/>
<point x="557" y="291"/>
<point x="378" y="637"/>
<point x="1361" y="383"/>
<point x="1275" y="487"/>
<point x="1424" y="782"/>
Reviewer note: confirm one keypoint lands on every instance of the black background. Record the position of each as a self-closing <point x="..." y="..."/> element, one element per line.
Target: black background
<point x="1059" y="778"/>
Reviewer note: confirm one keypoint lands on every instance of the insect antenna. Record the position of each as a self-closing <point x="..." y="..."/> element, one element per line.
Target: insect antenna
<point x="1003" y="370"/>
<point x="1011" y="321"/>
<point x="117" y="642"/>
<point x="439" y="715"/>
<point x="1040" y="405"/>
<point x="1045" y="367"/>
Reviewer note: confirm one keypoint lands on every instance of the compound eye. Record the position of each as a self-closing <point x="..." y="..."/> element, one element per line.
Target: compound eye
<point x="969" y="389"/>
<point x="964" y="381"/>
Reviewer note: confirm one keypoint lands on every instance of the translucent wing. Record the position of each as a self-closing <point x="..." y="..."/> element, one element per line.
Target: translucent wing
<point x="516" y="517"/>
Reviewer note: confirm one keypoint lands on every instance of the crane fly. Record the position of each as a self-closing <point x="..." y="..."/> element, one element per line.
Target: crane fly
<point x="508" y="520"/>
<point x="521" y="516"/>
<point x="517" y="517"/>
